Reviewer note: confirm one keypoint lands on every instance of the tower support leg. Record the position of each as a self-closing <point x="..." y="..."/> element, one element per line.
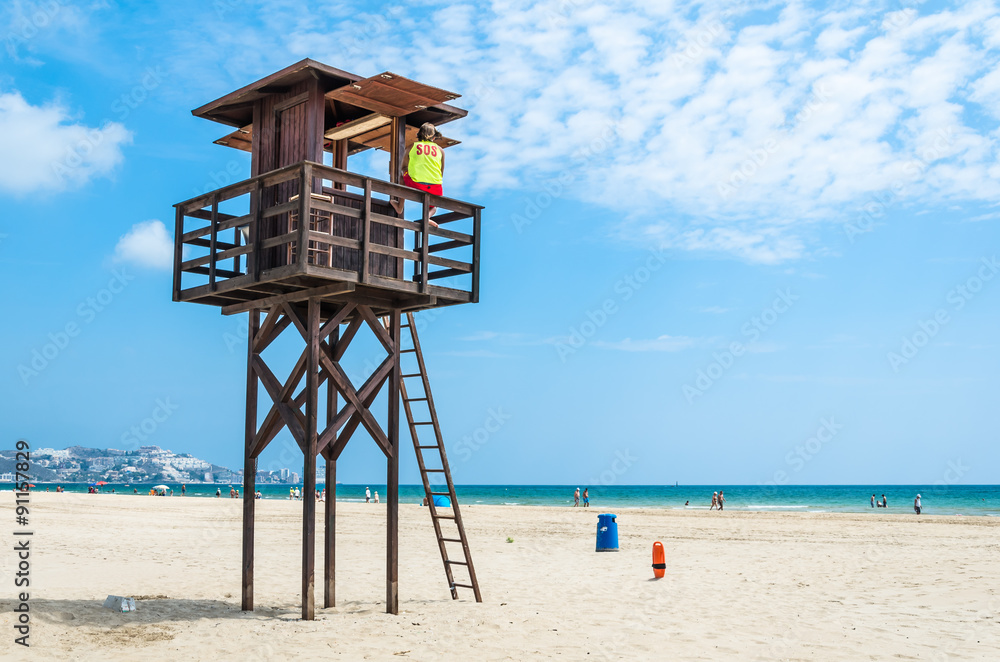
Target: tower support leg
<point x="309" y="467"/>
<point x="249" y="466"/>
<point x="392" y="476"/>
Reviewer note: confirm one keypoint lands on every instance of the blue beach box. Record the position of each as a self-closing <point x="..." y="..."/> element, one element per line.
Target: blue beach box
<point x="607" y="533"/>
<point x="442" y="501"/>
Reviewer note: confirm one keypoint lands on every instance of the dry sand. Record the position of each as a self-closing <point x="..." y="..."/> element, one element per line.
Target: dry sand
<point x="739" y="586"/>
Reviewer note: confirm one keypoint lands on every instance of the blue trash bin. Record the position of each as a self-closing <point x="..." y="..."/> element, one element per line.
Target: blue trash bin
<point x="607" y="533"/>
<point x="442" y="501"/>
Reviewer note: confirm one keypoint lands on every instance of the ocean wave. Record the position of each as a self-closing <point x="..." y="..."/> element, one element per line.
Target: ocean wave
<point x="761" y="506"/>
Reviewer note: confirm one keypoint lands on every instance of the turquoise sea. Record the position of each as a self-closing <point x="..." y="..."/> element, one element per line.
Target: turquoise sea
<point x="936" y="499"/>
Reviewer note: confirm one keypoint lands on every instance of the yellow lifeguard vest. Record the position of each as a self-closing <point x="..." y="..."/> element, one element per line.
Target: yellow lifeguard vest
<point x="426" y="160"/>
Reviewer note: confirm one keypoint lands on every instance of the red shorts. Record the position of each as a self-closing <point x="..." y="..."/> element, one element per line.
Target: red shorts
<point x="433" y="189"/>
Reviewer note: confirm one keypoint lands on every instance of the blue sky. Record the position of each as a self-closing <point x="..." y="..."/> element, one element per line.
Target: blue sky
<point x="724" y="242"/>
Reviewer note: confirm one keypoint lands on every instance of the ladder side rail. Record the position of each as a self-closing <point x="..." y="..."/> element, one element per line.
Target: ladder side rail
<point x="444" y="457"/>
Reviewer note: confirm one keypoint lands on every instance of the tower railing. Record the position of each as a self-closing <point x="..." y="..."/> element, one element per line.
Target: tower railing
<point x="237" y="239"/>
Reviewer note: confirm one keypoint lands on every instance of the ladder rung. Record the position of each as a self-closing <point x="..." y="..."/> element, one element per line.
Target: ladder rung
<point x="436" y="471"/>
<point x="404" y="326"/>
<point x="440" y="493"/>
<point x="416" y="374"/>
<point x="451" y="540"/>
<point x="428" y="447"/>
<point x="407" y="351"/>
<point x="424" y="423"/>
<point x="416" y="400"/>
<point x="445" y="516"/>
<point x="463" y="586"/>
<point x="457" y="562"/>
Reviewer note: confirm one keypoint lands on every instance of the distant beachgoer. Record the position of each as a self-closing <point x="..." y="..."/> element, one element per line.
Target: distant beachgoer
<point x="687" y="503"/>
<point x="586" y="497"/>
<point x="291" y="493"/>
<point x="376" y="496"/>
<point x="873" y="501"/>
<point x="218" y="493"/>
<point x="368" y="495"/>
<point x="183" y="489"/>
<point x="715" y="500"/>
<point x="576" y="498"/>
<point x="258" y="495"/>
<point x="722" y="499"/>
<point x="425" y="502"/>
<point x="916" y="505"/>
<point x="113" y="491"/>
<point x="232" y="492"/>
<point x="885" y="504"/>
<point x="135" y="490"/>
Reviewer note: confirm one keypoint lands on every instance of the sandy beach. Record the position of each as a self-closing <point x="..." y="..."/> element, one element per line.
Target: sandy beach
<point x="739" y="585"/>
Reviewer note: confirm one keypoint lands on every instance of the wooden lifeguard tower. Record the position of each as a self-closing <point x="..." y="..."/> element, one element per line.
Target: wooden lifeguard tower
<point x="310" y="245"/>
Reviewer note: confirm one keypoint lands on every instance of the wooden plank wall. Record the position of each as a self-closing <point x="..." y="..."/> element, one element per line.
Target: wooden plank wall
<point x="345" y="226"/>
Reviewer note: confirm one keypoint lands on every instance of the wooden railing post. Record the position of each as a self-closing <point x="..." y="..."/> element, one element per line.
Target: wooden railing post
<point x="256" y="231"/>
<point x="178" y="251"/>
<point x="425" y="225"/>
<point x="476" y="223"/>
<point x="213" y="240"/>
<point x="305" y="201"/>
<point x="366" y="229"/>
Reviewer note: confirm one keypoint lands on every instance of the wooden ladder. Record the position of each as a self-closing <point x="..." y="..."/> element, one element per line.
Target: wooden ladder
<point x="435" y="449"/>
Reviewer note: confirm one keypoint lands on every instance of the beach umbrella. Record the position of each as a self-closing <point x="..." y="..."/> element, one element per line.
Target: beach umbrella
<point x="102" y="482"/>
<point x="160" y="487"/>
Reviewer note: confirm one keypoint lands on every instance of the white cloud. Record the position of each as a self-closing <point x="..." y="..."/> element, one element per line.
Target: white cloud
<point x="147" y="244"/>
<point x="731" y="127"/>
<point x="43" y="149"/>
<point x="661" y="344"/>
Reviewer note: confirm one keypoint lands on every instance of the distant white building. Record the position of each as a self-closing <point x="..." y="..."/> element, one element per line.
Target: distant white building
<point x="56" y="455"/>
<point x="7" y="477"/>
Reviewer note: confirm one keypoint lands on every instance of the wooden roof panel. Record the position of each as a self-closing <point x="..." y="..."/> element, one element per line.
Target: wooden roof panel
<point x="390" y="94"/>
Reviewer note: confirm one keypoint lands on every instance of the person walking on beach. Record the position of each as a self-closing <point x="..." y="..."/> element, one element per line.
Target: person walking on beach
<point x="576" y="498"/>
<point x="885" y="504"/>
<point x="586" y="497"/>
<point x="376" y="496"/>
<point x="722" y="499"/>
<point x="873" y="501"/>
<point x="916" y="505"/>
<point x="368" y="495"/>
<point x="715" y="500"/>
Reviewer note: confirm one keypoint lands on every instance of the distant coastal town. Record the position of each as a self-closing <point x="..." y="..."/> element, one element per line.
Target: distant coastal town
<point x="147" y="464"/>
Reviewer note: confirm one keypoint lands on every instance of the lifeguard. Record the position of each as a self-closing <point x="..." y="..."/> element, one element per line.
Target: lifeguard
<point x="423" y="166"/>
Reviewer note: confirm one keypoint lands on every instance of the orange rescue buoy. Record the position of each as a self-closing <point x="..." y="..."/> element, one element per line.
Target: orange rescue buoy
<point x="659" y="560"/>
